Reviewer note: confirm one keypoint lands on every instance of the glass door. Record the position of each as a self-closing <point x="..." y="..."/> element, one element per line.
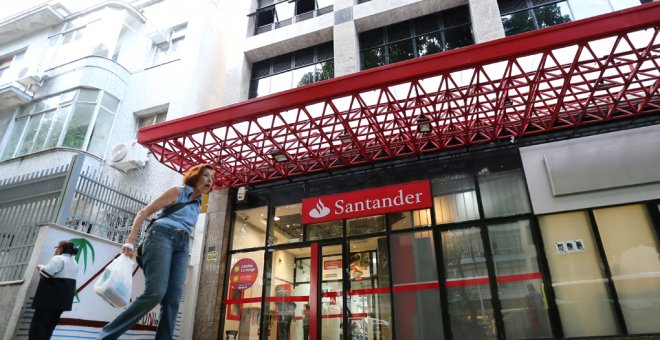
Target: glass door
<point x="331" y="291"/>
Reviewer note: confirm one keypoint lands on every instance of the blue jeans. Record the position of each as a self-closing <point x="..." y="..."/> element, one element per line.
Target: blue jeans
<point x="165" y="261"/>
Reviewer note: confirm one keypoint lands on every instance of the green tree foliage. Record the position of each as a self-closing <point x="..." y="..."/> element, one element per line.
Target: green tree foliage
<point x="524" y="21"/>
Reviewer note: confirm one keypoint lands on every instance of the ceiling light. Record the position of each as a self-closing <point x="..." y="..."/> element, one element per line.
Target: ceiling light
<point x="277" y="155"/>
<point x="423" y="124"/>
<point x="345" y="137"/>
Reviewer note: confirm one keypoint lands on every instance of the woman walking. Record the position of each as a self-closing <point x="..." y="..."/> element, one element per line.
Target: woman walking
<point x="165" y="254"/>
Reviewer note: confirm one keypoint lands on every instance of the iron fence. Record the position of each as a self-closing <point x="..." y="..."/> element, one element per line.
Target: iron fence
<point x="65" y="195"/>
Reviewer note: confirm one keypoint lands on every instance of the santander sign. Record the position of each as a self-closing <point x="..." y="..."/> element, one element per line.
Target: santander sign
<point x="374" y="201"/>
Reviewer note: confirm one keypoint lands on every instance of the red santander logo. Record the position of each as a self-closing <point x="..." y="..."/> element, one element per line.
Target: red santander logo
<point x="374" y="201"/>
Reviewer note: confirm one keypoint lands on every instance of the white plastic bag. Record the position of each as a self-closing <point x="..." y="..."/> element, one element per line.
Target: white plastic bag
<point x="114" y="285"/>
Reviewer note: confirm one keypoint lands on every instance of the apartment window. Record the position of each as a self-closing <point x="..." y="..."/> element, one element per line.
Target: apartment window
<point x="107" y="32"/>
<point x="152" y="119"/>
<point x="79" y="119"/>
<point x="526" y="15"/>
<point x="9" y="61"/>
<point x="169" y="49"/>
<point x="275" y="14"/>
<point x="292" y="70"/>
<point x="422" y="36"/>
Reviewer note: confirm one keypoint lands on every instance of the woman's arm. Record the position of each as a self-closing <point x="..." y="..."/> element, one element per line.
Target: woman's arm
<point x="169" y="197"/>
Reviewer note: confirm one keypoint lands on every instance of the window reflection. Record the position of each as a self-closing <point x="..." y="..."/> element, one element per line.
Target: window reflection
<point x="286" y="225"/>
<point x="415" y="38"/>
<point x="520" y="289"/>
<point x="369" y="299"/>
<point x="292" y="70"/>
<point x="525" y="15"/>
<point x="632" y="250"/>
<point x="410" y="219"/>
<point x="322" y="231"/>
<point x="415" y="284"/>
<point x="249" y="228"/>
<point x="455" y="199"/>
<point x="468" y="290"/>
<point x="62" y="121"/>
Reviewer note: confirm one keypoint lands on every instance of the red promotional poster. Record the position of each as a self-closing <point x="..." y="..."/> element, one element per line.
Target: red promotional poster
<point x="374" y="201"/>
<point x="243" y="274"/>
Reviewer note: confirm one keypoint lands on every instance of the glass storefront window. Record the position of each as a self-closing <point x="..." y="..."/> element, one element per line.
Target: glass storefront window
<point x="287" y="293"/>
<point x="286" y="225"/>
<point x="523" y="300"/>
<point x="409" y="219"/>
<point x="631" y="248"/>
<point x="323" y="231"/>
<point x="332" y="305"/>
<point x="249" y="228"/>
<point x="503" y="193"/>
<point x="454" y="199"/>
<point x="369" y="304"/>
<point x="585" y="306"/>
<point x="365" y="225"/>
<point x="417" y="311"/>
<point x="468" y="290"/>
<point x="244" y="286"/>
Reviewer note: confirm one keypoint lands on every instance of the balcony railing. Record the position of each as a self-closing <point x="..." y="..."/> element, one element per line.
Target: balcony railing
<point x="286" y="22"/>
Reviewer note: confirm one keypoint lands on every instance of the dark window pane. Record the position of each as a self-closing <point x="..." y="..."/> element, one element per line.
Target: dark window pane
<point x="398" y="31"/>
<point x="373" y="58"/>
<point x="371" y="38"/>
<point x="264" y="3"/>
<point x="304" y="57"/>
<point x="281" y="63"/>
<point x="322" y="231"/>
<point x="429" y="44"/>
<point x="400" y="51"/>
<point x="325" y="52"/>
<point x="304" y="6"/>
<point x="426" y="24"/>
<point x="455" y="16"/>
<point x="544" y="2"/>
<point x="508" y="6"/>
<point x="265" y="17"/>
<point x="552" y="15"/>
<point x="261" y="69"/>
<point x="365" y="225"/>
<point x="517" y="23"/>
<point x="458" y="37"/>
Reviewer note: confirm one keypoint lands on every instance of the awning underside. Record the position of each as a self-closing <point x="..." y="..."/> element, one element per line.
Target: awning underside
<point x="564" y="82"/>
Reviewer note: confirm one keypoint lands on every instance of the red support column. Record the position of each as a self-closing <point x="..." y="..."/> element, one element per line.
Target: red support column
<point x="314" y="292"/>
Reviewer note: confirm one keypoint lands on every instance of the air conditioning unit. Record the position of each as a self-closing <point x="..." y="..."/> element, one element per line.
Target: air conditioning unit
<point x="128" y="156"/>
<point x="27" y="77"/>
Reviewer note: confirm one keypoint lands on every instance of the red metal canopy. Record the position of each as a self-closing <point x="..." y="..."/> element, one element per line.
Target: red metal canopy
<point x="583" y="72"/>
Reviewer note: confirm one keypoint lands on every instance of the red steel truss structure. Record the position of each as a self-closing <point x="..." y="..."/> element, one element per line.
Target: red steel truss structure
<point x="584" y="72"/>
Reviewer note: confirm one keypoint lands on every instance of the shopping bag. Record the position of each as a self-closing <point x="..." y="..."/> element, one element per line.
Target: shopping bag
<point x="114" y="285"/>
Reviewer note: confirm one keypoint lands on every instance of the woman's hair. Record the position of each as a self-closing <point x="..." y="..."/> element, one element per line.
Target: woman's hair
<point x="191" y="176"/>
<point x="68" y="247"/>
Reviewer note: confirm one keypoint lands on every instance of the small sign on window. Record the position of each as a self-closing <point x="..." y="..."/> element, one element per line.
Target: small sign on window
<point x="570" y="246"/>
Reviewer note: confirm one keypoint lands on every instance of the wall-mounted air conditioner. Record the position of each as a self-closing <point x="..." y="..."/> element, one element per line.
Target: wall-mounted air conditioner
<point x="127" y="156"/>
<point x="28" y="76"/>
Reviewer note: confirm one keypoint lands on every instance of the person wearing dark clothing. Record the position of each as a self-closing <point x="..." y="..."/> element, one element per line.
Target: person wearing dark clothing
<point x="306" y="322"/>
<point x="286" y="311"/>
<point x="55" y="292"/>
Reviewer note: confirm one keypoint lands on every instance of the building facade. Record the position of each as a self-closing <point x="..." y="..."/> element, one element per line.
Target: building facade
<point x="386" y="169"/>
<point x="82" y="81"/>
<point x="430" y="169"/>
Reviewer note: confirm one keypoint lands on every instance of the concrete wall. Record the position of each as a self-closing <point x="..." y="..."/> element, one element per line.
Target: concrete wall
<point x="606" y="169"/>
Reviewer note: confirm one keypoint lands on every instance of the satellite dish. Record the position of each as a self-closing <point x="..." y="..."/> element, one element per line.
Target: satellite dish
<point x="119" y="152"/>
